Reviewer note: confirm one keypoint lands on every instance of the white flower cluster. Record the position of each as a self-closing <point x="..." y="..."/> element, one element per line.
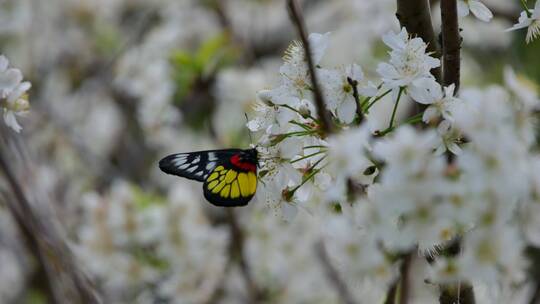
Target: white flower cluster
<point x="13" y="97"/>
<point x="386" y="192"/>
<point x="131" y="240"/>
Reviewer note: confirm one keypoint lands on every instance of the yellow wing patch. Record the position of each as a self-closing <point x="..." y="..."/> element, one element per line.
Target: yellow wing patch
<point x="252" y="181"/>
<point x="228" y="183"/>
<point x="235" y="190"/>
<point x="244" y="184"/>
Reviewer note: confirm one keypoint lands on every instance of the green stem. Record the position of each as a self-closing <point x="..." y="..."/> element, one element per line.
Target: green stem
<point x="301" y="125"/>
<point x="376" y="99"/>
<point x="364" y="103"/>
<point x="395" y="108"/>
<point x="315" y="147"/>
<point x="414" y="119"/>
<point x="526" y="8"/>
<point x="310" y="175"/>
<point x="299" y="133"/>
<point x="301" y="114"/>
<point x="306" y="156"/>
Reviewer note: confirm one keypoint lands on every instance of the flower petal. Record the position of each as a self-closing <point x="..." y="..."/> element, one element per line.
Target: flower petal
<point x="347" y="110"/>
<point x="463" y="8"/>
<point x="480" y="11"/>
<point x="11" y="121"/>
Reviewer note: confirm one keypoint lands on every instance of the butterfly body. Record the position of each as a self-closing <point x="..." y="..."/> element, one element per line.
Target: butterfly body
<point x="229" y="176"/>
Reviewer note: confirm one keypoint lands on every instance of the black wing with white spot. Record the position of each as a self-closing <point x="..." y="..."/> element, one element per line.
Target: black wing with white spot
<point x="194" y="165"/>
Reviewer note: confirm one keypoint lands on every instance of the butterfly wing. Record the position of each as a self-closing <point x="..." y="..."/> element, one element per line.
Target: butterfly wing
<point x="228" y="180"/>
<point x="230" y="186"/>
<point x="194" y="165"/>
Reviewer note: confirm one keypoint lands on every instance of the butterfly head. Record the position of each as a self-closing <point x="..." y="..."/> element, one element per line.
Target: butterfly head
<point x="249" y="155"/>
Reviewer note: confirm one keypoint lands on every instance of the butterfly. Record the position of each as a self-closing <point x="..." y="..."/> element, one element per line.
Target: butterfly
<point x="229" y="175"/>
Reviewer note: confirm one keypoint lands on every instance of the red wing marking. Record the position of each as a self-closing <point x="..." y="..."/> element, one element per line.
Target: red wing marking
<point x="235" y="160"/>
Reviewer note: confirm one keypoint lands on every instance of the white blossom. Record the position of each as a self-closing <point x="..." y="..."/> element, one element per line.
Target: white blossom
<point x="338" y="92"/>
<point x="478" y="9"/>
<point x="13" y="97"/>
<point x="409" y="62"/>
<point x="439" y="101"/>
<point x="530" y="20"/>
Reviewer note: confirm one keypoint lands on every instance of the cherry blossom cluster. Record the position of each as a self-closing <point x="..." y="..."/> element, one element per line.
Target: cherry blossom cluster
<point x="465" y="174"/>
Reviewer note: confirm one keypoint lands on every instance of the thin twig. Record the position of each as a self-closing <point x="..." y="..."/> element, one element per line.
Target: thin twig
<point x="354" y="84"/>
<point x="298" y="20"/>
<point x="451" y="42"/>
<point x="461" y="293"/>
<point x="535" y="297"/>
<point x="404" y="273"/>
<point x="391" y="294"/>
<point x="332" y="274"/>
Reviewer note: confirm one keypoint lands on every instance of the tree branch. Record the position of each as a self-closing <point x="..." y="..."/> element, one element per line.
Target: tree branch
<point x="404" y="272"/>
<point x="461" y="293"/>
<point x="415" y="16"/>
<point x="354" y="84"/>
<point x="332" y="274"/>
<point x="298" y="21"/>
<point x="451" y="42"/>
<point x="64" y="279"/>
<point x="237" y="250"/>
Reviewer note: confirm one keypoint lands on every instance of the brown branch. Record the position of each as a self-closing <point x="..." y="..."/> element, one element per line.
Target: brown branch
<point x="451" y="43"/>
<point x="332" y="274"/>
<point x="461" y="293"/>
<point x="404" y="272"/>
<point x="533" y="256"/>
<point x="415" y="16"/>
<point x="298" y="20"/>
<point x="391" y="294"/>
<point x="64" y="279"/>
<point x="354" y="84"/>
<point x="535" y="297"/>
<point x="237" y="251"/>
<point x="401" y="284"/>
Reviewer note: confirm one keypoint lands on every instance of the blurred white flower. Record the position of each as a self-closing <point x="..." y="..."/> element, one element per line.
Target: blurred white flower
<point x="446" y="271"/>
<point x="11" y="275"/>
<point x="493" y="254"/>
<point x="524" y="89"/>
<point x="478" y="9"/>
<point x="13" y="97"/>
<point x="407" y="149"/>
<point x="348" y="160"/>
<point x="531" y="20"/>
<point x="440" y="102"/>
<point x="371" y="263"/>
<point x="9" y="78"/>
<point x="448" y="138"/>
